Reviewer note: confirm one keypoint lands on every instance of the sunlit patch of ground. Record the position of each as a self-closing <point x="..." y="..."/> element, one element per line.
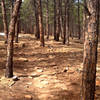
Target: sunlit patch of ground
<point x="42" y="71"/>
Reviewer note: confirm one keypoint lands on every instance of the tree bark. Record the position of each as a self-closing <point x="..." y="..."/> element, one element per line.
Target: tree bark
<point x="17" y="28"/>
<point x="47" y="19"/>
<point x="58" y="24"/>
<point x="9" y="64"/>
<point x="68" y="19"/>
<point x="65" y="22"/>
<point x="55" y="22"/>
<point x="79" y="32"/>
<point x="4" y="20"/>
<point x="61" y="18"/>
<point x="90" y="52"/>
<point x="40" y="23"/>
<point x="37" y="20"/>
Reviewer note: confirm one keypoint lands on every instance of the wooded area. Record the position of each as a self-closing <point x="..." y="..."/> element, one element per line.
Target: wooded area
<point x="49" y="50"/>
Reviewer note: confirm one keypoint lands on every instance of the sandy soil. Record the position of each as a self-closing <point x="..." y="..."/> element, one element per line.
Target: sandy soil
<point x="49" y="73"/>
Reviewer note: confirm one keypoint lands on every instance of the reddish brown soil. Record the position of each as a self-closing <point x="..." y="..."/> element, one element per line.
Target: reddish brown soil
<point x="41" y="70"/>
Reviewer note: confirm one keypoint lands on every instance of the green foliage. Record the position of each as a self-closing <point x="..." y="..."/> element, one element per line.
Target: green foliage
<point x="27" y="12"/>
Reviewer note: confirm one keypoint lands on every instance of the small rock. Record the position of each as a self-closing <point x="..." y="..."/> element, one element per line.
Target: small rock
<point x="29" y="83"/>
<point x="66" y="69"/>
<point x="42" y="76"/>
<point x="15" y="78"/>
<point x="44" y="82"/>
<point x="27" y="86"/>
<point x="30" y="77"/>
<point x="71" y="71"/>
<point x="23" y="59"/>
<point x="25" y="69"/>
<point x="39" y="70"/>
<point x="51" y="56"/>
<point x="22" y="45"/>
<point x="28" y="97"/>
<point x="26" y="60"/>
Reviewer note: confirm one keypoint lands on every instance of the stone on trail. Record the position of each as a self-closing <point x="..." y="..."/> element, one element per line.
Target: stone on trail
<point x="66" y="69"/>
<point x="25" y="69"/>
<point x="44" y="82"/>
<point x="23" y="59"/>
<point x="30" y="77"/>
<point x="22" y="45"/>
<point x="30" y="83"/>
<point x="15" y="78"/>
<point x="27" y="97"/>
<point x="39" y="70"/>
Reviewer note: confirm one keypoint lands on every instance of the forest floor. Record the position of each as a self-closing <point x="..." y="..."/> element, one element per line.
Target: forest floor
<point x="49" y="73"/>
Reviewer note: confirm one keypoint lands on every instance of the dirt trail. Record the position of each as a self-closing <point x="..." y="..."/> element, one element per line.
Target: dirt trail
<point x="49" y="73"/>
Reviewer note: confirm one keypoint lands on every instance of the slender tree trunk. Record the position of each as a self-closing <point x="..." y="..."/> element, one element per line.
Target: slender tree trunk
<point x="68" y="19"/>
<point x="72" y="29"/>
<point x="79" y="31"/>
<point x="55" y="22"/>
<point x="12" y="6"/>
<point x="98" y="16"/>
<point x="61" y="18"/>
<point x="37" y="20"/>
<point x="58" y="24"/>
<point x="72" y="35"/>
<point x="9" y="64"/>
<point x="40" y="23"/>
<point x="17" y="28"/>
<point x="65" y="22"/>
<point x="4" y="20"/>
<point x="47" y="19"/>
<point x="90" y="51"/>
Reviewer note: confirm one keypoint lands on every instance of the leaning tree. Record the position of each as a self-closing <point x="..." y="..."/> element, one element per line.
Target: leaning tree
<point x="9" y="64"/>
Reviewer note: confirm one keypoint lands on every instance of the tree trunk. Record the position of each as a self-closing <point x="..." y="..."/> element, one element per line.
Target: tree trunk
<point x="40" y="23"/>
<point x="68" y="19"/>
<point x="37" y="20"/>
<point x="79" y="31"/>
<point x="61" y="18"/>
<point x="65" y="22"/>
<point x="90" y="52"/>
<point x="58" y="24"/>
<point x="9" y="64"/>
<point x="55" y="22"/>
<point x="17" y="28"/>
<point x="4" y="19"/>
<point x="98" y="16"/>
<point x="47" y="19"/>
<point x="12" y="6"/>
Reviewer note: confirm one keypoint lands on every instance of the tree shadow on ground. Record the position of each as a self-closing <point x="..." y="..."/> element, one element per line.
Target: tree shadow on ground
<point x="48" y="60"/>
<point x="66" y="95"/>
